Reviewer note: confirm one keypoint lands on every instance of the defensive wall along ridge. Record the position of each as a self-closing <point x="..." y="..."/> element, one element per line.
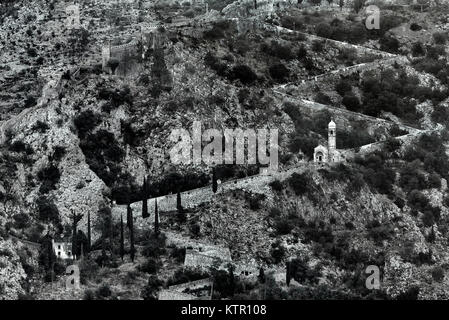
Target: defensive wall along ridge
<point x="315" y="106"/>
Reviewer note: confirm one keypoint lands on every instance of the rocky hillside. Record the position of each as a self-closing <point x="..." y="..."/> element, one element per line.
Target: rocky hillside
<point x="80" y="138"/>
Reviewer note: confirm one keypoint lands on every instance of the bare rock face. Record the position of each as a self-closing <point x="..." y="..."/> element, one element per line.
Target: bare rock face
<point x="11" y="272"/>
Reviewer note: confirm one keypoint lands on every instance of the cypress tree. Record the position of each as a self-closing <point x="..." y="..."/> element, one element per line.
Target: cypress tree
<point x="288" y="273"/>
<point x="145" y="213"/>
<point x="128" y="215"/>
<point x="156" y="219"/>
<point x="75" y="219"/>
<point x="122" y="239"/>
<point x="131" y="233"/>
<point x="178" y="202"/>
<point x="214" y="181"/>
<point x="261" y="275"/>
<point x="89" y="237"/>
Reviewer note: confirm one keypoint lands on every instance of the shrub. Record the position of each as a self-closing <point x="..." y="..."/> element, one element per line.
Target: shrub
<point x="351" y="102"/>
<point x="418" y="49"/>
<point x="86" y="121"/>
<point x="243" y="73"/>
<point x="415" y="27"/>
<point x="89" y="295"/>
<point x="416" y="200"/>
<point x="278" y="50"/>
<point x="279" y="72"/>
<point x="434" y="180"/>
<point x="21" y="221"/>
<point x="150" y="266"/>
<point x="49" y="176"/>
<point x="103" y="292"/>
<point x="149" y="292"/>
<point x="47" y="210"/>
<point x="302" y="273"/>
<point x="277" y="185"/>
<point x="379" y="232"/>
<point x="283" y="226"/>
<point x="155" y="246"/>
<point x="343" y="86"/>
<point x="178" y="254"/>
<point x="304" y="144"/>
<point x="277" y="252"/>
<point x="20" y="146"/>
<point x="302" y="52"/>
<point x="317" y="45"/>
<point x="389" y="44"/>
<point x="300" y="183"/>
<point x="440" y="38"/>
<point x="195" y="229"/>
<point x="40" y="126"/>
<point x="438" y="274"/>
<point x="323" y="30"/>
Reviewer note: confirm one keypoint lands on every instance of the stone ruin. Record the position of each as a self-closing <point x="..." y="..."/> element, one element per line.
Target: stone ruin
<point x="126" y="59"/>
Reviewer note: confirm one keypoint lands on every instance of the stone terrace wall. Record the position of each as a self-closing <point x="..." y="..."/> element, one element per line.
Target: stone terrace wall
<point x="191" y="285"/>
<point x="315" y="106"/>
<point x="175" y="295"/>
<point x="193" y="198"/>
<point x="376" y="146"/>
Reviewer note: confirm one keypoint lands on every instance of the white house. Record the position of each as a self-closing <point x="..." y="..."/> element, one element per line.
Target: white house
<point x="63" y="249"/>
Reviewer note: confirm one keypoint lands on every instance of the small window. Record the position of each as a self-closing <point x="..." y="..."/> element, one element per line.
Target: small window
<point x="59" y="253"/>
<point x="59" y="246"/>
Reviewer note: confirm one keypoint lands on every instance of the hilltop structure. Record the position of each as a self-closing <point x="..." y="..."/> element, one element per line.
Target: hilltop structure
<point x="329" y="153"/>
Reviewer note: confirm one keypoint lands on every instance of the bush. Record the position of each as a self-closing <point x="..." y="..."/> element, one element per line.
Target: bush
<point x="438" y="274"/>
<point x="103" y="292"/>
<point x="300" y="183"/>
<point x="86" y="121"/>
<point x="150" y="266"/>
<point x="49" y="176"/>
<point x="40" y="126"/>
<point x="440" y="38"/>
<point x="47" y="210"/>
<point x="149" y="292"/>
<point x="302" y="273"/>
<point x="195" y="229"/>
<point x="324" y="30"/>
<point x="389" y="44"/>
<point x="277" y="185"/>
<point x="283" y="226"/>
<point x="351" y="102"/>
<point x="178" y="254"/>
<point x="279" y="72"/>
<point x="343" y="86"/>
<point x="418" y="49"/>
<point x="89" y="295"/>
<point x="278" y="50"/>
<point x="21" y="221"/>
<point x="243" y="73"/>
<point x="379" y="232"/>
<point x="317" y="45"/>
<point x="277" y="252"/>
<point x="434" y="180"/>
<point x="415" y="27"/>
<point x="155" y="246"/>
